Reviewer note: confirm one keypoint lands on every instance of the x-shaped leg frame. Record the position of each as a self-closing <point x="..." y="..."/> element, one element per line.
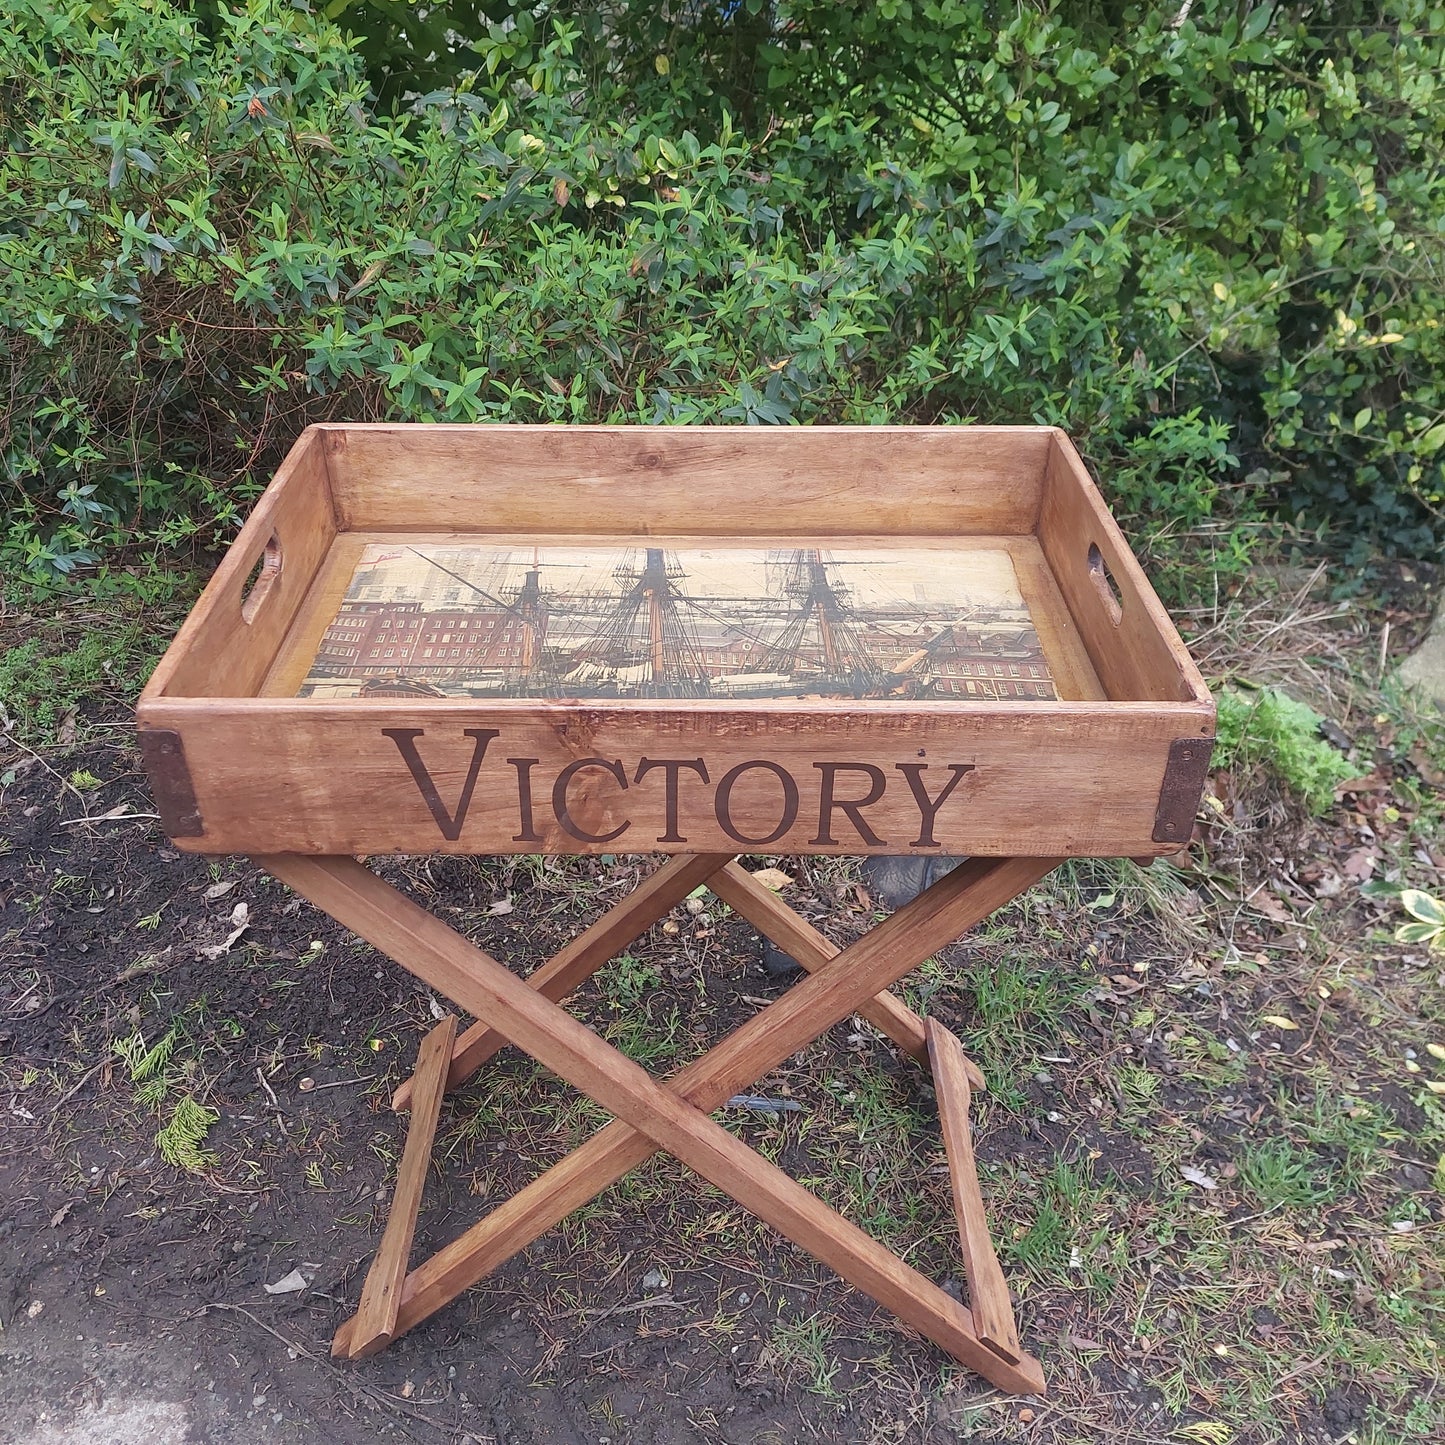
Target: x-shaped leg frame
<point x="674" y="1115"/>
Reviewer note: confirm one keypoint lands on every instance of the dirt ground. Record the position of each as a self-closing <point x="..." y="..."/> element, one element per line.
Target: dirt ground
<point x="1289" y="1289"/>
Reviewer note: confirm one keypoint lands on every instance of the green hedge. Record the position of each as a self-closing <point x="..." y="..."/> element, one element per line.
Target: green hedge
<point x="1189" y="244"/>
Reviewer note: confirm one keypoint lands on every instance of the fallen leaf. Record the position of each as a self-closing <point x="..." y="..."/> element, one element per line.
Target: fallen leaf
<point x="1436" y="1051"/>
<point x="288" y="1283"/>
<point x="773" y="878"/>
<point x="1198" y="1176"/>
<point x="1279" y="1021"/>
<point x="240" y="916"/>
<point x="219" y="890"/>
<point x="1360" y="864"/>
<point x="61" y="1214"/>
<point x="1271" y="907"/>
<point x="1435" y="1086"/>
<point x="501" y="906"/>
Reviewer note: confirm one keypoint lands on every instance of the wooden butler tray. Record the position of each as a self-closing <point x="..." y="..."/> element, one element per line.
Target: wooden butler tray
<point x="872" y="676"/>
<point x="693" y="641"/>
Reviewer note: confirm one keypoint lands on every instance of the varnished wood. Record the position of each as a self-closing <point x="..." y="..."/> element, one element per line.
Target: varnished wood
<point x="1081" y="775"/>
<point x="646" y="480"/>
<point x="988" y="1297"/>
<point x="951" y="906"/>
<point x="602" y="941"/>
<point x="1045" y="779"/>
<point x="244" y="765"/>
<point x="810" y="950"/>
<point x="1137" y="654"/>
<point x="381" y="1295"/>
<point x="221" y="649"/>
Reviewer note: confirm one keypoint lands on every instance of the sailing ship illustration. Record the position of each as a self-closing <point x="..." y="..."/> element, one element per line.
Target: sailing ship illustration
<point x="654" y="623"/>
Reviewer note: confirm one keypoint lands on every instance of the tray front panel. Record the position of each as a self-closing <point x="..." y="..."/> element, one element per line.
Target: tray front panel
<point x="364" y="776"/>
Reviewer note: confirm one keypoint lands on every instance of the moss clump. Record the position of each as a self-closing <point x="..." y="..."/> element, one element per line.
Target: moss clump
<point x="1270" y="730"/>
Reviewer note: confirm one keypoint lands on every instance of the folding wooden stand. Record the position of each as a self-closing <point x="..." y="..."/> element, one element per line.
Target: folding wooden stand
<point x="703" y="641"/>
<point x="674" y="1115"/>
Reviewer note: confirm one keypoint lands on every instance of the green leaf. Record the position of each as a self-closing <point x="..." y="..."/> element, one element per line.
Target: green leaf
<point x="1422" y="905"/>
<point x="1416" y="932"/>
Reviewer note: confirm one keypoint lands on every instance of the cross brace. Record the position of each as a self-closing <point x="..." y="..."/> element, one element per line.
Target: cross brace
<point x="673" y="1116"/>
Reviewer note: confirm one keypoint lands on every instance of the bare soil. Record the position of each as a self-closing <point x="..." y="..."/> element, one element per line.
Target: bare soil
<point x="132" y="1292"/>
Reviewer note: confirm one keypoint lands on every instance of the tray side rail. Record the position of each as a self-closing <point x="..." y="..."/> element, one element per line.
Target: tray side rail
<point x="815" y="481"/>
<point x="228" y="642"/>
<point x="1131" y="640"/>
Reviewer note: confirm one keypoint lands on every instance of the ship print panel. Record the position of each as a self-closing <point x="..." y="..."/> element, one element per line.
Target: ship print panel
<point x="580" y="623"/>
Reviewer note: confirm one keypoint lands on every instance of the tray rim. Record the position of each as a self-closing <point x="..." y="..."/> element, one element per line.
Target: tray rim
<point x="235" y="564"/>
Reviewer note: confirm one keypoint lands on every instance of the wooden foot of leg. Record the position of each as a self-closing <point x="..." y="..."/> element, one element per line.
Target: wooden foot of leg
<point x="375" y="1324"/>
<point x="988" y="1299"/>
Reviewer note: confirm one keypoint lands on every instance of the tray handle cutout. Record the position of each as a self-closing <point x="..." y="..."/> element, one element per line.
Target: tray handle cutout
<point x="1104" y="584"/>
<point x="261" y="579"/>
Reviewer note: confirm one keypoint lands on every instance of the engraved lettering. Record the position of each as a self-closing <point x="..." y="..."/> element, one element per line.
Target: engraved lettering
<point x="671" y="767"/>
<point x="524" y="767"/>
<point x="828" y="803"/>
<point x="928" y="807"/>
<point x="559" y="799"/>
<point x="723" y="799"/>
<point x="449" y="823"/>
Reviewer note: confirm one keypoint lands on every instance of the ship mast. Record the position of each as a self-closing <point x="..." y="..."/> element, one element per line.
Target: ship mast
<point x="821" y="608"/>
<point x="532" y="610"/>
<point x="654" y="589"/>
<point x="643" y="644"/>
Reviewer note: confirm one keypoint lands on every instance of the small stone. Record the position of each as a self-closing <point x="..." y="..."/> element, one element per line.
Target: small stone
<point x="36" y="1306"/>
<point x="654" y="1279"/>
<point x="306" y="1085"/>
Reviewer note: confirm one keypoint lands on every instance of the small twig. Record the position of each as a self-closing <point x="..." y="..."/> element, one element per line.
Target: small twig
<point x="341" y="1083"/>
<point x="109" y="818"/>
<point x="390" y="1401"/>
<point x="79" y="1084"/>
<point x="275" y="1102"/>
<point x="1294" y="1373"/>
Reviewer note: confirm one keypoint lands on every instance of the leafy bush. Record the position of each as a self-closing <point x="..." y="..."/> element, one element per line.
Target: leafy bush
<point x="1188" y="241"/>
<point x="1271" y="730"/>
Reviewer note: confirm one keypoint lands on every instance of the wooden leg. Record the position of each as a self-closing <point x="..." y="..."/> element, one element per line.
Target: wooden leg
<point x="381" y="1295"/>
<point x="802" y="942"/>
<point x="596" y="945"/>
<point x="673" y="1118"/>
<point x="993" y="1316"/>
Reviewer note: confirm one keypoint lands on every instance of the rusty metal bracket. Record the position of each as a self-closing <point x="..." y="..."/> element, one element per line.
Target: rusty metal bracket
<point x="1183" y="784"/>
<point x="164" y="757"/>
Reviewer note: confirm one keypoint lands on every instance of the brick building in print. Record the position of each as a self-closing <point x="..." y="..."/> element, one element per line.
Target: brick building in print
<point x="448" y="644"/>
